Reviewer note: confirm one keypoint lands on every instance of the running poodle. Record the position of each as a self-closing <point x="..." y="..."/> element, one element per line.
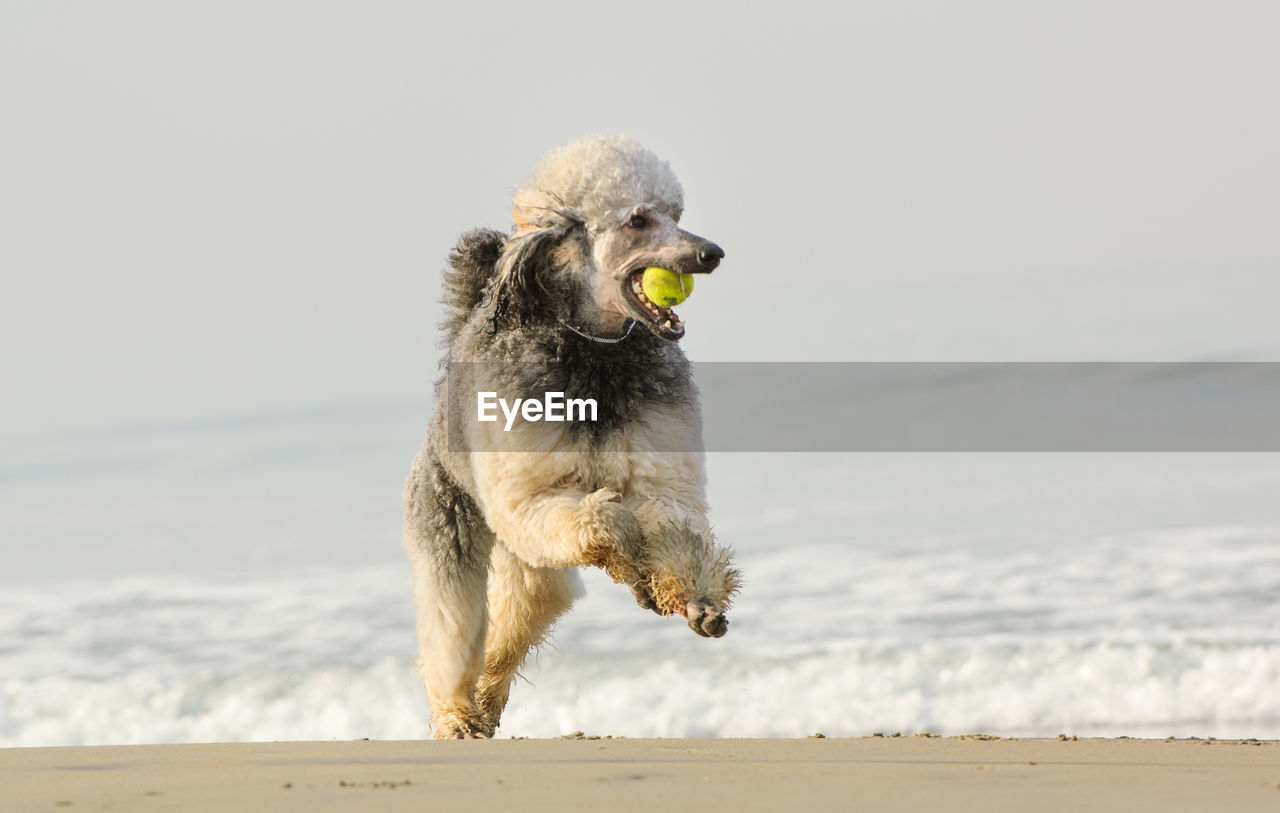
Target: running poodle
<point x="497" y="518"/>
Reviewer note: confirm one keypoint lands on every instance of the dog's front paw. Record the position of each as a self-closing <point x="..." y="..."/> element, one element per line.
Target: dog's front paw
<point x="611" y="524"/>
<point x="613" y="537"/>
<point x="644" y="595"/>
<point x="706" y="619"/>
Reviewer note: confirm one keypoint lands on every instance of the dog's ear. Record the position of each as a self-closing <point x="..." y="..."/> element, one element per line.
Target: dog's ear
<point x="520" y="289"/>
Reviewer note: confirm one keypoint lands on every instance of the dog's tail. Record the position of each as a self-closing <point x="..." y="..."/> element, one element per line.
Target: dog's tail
<point x="471" y="267"/>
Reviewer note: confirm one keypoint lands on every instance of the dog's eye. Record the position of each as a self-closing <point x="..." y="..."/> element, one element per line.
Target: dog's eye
<point x="638" y="221"/>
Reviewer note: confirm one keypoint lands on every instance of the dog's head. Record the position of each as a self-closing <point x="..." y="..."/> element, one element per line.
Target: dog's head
<point x="596" y="213"/>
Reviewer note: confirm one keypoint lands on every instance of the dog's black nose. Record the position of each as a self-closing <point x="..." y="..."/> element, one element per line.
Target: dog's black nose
<point x="710" y="254"/>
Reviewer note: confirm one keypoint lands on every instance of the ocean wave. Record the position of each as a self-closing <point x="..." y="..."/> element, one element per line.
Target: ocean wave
<point x="1153" y="633"/>
<point x="1106" y="688"/>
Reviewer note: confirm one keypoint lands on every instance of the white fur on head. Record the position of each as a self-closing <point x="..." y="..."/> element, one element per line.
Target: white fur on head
<point x="599" y="180"/>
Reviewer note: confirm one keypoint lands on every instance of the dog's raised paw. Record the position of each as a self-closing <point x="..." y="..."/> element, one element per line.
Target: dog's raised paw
<point x="706" y="620"/>
<point x="644" y="595"/>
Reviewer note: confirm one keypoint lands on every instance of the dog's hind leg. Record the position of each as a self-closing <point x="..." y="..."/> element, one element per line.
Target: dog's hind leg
<point x="448" y="546"/>
<point x="524" y="603"/>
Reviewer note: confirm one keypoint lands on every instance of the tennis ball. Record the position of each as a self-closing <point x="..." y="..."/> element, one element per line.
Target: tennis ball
<point x="666" y="288"/>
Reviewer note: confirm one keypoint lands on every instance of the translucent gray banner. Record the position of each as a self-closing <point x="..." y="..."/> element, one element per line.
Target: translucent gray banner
<point x="905" y="407"/>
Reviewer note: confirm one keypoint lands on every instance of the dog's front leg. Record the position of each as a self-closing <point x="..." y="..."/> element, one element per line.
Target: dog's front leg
<point x="689" y="573"/>
<point x="570" y="528"/>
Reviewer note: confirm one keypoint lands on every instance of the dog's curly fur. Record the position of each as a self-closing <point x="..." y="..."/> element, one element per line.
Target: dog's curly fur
<point x="497" y="521"/>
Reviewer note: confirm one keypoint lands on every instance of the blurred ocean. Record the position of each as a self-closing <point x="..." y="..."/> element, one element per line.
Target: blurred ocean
<point x="243" y="580"/>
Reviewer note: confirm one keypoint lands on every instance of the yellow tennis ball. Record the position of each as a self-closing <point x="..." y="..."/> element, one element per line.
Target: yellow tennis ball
<point x="666" y="288"/>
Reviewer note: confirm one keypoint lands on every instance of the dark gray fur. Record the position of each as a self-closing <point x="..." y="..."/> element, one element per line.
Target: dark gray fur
<point x="512" y="338"/>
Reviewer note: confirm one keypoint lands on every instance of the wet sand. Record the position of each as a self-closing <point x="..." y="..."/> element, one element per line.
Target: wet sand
<point x="871" y="773"/>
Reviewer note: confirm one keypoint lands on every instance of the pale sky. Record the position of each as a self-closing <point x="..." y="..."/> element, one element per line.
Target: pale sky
<point x="211" y="209"/>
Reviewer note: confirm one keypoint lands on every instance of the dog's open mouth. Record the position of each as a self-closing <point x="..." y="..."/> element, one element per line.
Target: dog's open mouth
<point x="661" y="320"/>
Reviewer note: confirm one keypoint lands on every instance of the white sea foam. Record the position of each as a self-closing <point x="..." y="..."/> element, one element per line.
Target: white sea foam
<point x="1157" y="633"/>
<point x="1187" y="688"/>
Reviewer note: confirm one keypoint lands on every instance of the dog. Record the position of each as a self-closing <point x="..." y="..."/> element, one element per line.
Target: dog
<point x="497" y="519"/>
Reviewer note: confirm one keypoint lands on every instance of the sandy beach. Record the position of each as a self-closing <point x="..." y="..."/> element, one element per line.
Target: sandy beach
<point x="871" y="773"/>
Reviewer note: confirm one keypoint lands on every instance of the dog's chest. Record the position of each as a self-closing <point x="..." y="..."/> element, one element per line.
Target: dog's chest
<point x="625" y="390"/>
<point x="655" y="455"/>
<point x="644" y="429"/>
